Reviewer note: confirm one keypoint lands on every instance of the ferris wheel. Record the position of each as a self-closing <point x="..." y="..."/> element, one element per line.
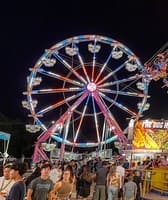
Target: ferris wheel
<point x="83" y="89"/>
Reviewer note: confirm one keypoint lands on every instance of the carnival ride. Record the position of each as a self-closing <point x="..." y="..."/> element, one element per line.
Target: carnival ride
<point x="157" y="65"/>
<point x="83" y="89"/>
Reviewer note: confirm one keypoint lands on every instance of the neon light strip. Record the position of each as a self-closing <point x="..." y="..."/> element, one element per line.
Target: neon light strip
<point x="83" y="145"/>
<point x="104" y="127"/>
<point x="81" y="120"/>
<point x="118" y="104"/>
<point x="50" y="91"/>
<point x="82" y="64"/>
<point x="62" y="119"/>
<point x="69" y="67"/>
<point x="136" y="77"/>
<point x="110" y="120"/>
<point x="113" y="72"/>
<point x="144" y="100"/>
<point x="65" y="136"/>
<point x="131" y="94"/>
<point x="60" y="77"/>
<point x="95" y="118"/>
<point x="47" y="109"/>
<point x="94" y="60"/>
<point x="102" y="69"/>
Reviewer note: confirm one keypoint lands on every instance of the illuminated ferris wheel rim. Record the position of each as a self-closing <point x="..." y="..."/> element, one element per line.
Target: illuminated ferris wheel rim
<point x="91" y="85"/>
<point x="84" y="38"/>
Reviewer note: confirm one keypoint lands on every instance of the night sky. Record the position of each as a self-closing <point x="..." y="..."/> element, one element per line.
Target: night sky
<point x="28" y="30"/>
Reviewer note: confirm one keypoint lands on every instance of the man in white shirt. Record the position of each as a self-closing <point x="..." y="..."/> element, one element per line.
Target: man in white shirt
<point x="121" y="171"/>
<point x="5" y="182"/>
<point x="55" y="173"/>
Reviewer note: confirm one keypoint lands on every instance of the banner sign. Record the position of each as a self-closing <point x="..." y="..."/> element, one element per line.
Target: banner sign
<point x="151" y="134"/>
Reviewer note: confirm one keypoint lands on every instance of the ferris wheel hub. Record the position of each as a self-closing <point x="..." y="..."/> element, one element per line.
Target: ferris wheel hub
<point x="91" y="87"/>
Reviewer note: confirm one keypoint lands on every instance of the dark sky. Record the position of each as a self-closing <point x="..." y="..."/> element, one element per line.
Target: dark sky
<point x="25" y="34"/>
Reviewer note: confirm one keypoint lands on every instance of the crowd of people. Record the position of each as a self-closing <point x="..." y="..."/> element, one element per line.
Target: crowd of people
<point x="117" y="180"/>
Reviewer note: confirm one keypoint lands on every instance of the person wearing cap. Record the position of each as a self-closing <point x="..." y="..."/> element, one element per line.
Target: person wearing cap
<point x="40" y="187"/>
<point x="5" y="182"/>
<point x="18" y="190"/>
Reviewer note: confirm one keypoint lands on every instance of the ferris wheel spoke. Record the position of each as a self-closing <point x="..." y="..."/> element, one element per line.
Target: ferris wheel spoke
<point x="96" y="121"/>
<point x="112" y="73"/>
<point x="52" y="91"/>
<point x="109" y="113"/>
<point x="59" y="77"/>
<point x="69" y="67"/>
<point x="60" y="103"/>
<point x="103" y="132"/>
<point x="102" y="69"/>
<point x="124" y="80"/>
<point x="81" y="119"/>
<point x="65" y="134"/>
<point x="82" y="64"/>
<point x="124" y="108"/>
<point x="131" y="94"/>
<point x="94" y="59"/>
<point x="109" y="118"/>
<point x="62" y="119"/>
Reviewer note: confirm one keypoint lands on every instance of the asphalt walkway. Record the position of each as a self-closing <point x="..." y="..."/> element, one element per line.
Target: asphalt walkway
<point x="149" y="196"/>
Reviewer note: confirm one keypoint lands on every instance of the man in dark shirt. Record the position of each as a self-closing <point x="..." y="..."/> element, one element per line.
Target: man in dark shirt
<point x="18" y="190"/>
<point x="137" y="179"/>
<point x="100" y="179"/>
<point x="40" y="187"/>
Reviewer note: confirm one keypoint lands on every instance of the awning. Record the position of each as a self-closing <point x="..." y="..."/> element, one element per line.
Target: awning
<point x="4" y="136"/>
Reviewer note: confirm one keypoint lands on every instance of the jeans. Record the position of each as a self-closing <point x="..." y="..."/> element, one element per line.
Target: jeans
<point x="112" y="192"/>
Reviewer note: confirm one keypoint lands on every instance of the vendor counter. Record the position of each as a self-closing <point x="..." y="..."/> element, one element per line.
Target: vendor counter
<point x="159" y="180"/>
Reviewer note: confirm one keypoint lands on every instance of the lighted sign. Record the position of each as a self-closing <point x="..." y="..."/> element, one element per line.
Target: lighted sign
<point x="155" y="124"/>
<point x="151" y="134"/>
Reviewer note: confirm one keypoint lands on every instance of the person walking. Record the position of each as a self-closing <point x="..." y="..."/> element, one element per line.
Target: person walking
<point x="130" y="189"/>
<point x="100" y="177"/>
<point x="63" y="188"/>
<point x="40" y="187"/>
<point x="18" y="190"/>
<point x="138" y="180"/>
<point x="121" y="171"/>
<point x="113" y="184"/>
<point x="83" y="183"/>
<point x="5" y="182"/>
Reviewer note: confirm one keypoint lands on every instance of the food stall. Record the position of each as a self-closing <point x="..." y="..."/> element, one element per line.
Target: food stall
<point x="151" y="136"/>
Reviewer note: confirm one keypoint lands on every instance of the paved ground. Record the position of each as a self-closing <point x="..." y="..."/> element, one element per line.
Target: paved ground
<point x="153" y="196"/>
<point x="149" y="196"/>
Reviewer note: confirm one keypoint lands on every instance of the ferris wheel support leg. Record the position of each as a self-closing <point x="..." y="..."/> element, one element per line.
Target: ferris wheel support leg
<point x="62" y="151"/>
<point x="36" y="153"/>
<point x="65" y="136"/>
<point x="39" y="153"/>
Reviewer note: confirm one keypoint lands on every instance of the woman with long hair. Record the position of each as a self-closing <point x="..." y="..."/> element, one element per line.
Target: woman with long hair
<point x="62" y="189"/>
<point x="113" y="184"/>
<point x="83" y="183"/>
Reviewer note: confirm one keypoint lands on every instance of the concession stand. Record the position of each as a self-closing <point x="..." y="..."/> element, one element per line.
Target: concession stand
<point x="150" y="138"/>
<point x="147" y="138"/>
